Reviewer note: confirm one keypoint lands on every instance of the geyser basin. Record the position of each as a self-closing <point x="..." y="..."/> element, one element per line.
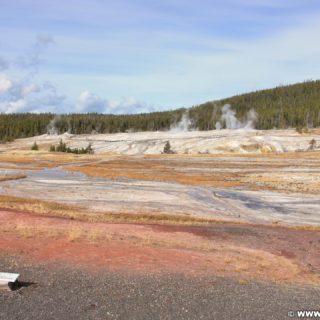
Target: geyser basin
<point x="125" y="195"/>
<point x="182" y="142"/>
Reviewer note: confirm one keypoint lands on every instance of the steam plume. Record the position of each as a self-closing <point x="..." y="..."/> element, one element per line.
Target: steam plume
<point x="229" y="120"/>
<point x="51" y="127"/>
<point x="183" y="125"/>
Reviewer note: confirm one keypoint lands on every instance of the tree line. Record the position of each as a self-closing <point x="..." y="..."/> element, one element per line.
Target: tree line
<point x="291" y="106"/>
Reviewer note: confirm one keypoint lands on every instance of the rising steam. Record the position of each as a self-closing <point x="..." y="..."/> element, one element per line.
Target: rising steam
<point x="51" y="127"/>
<point x="229" y="120"/>
<point x="183" y="125"/>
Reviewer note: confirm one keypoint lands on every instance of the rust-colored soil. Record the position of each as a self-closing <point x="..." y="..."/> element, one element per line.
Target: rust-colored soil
<point x="260" y="252"/>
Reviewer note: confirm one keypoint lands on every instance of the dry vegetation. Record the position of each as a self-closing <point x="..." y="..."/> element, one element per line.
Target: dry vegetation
<point x="70" y="212"/>
<point x="115" y="170"/>
<point x="41" y="159"/>
<point x="303" y="182"/>
<point x="13" y="177"/>
<point x="47" y="208"/>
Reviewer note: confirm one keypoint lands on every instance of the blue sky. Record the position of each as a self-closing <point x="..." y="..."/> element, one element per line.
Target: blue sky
<point x="130" y="56"/>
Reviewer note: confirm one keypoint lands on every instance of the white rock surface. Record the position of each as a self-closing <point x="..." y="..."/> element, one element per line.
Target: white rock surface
<point x="191" y="142"/>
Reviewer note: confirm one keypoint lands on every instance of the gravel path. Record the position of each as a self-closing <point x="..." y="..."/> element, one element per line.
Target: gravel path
<point x="62" y="293"/>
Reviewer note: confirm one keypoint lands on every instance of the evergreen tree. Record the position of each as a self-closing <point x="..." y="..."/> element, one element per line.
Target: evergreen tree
<point x="35" y="146"/>
<point x="167" y="148"/>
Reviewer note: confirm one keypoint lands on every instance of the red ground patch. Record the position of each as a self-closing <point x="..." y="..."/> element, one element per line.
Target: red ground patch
<point x="228" y="249"/>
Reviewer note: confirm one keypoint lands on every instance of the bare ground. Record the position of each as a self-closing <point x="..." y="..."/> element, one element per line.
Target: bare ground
<point x="56" y="291"/>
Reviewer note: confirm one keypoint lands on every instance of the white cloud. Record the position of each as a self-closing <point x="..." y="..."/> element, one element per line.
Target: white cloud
<point x="13" y="106"/>
<point x="29" y="88"/>
<point x="89" y="102"/>
<point x="23" y="93"/>
<point x="27" y="96"/>
<point x="171" y="67"/>
<point x="5" y="83"/>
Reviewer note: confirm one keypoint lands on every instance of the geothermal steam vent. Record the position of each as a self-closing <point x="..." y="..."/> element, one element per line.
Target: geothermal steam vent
<point x="8" y="280"/>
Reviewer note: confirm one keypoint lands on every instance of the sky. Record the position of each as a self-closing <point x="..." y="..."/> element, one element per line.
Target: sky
<point x="132" y="56"/>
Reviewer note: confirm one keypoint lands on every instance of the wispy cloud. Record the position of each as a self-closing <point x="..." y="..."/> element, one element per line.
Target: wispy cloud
<point x="89" y="102"/>
<point x="4" y="64"/>
<point x="5" y="84"/>
<point x="32" y="60"/>
<point x="169" y="53"/>
<point x="28" y="95"/>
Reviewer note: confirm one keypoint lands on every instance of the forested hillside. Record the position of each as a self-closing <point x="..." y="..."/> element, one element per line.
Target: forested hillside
<point x="291" y="106"/>
<point x="282" y="107"/>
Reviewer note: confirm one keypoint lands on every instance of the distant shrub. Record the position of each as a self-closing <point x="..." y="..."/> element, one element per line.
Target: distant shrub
<point x="167" y="148"/>
<point x="302" y="130"/>
<point x="35" y="147"/>
<point x="62" y="147"/>
<point x="312" y="144"/>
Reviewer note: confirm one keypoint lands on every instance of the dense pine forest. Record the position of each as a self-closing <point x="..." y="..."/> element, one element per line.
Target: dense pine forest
<point x="292" y="106"/>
